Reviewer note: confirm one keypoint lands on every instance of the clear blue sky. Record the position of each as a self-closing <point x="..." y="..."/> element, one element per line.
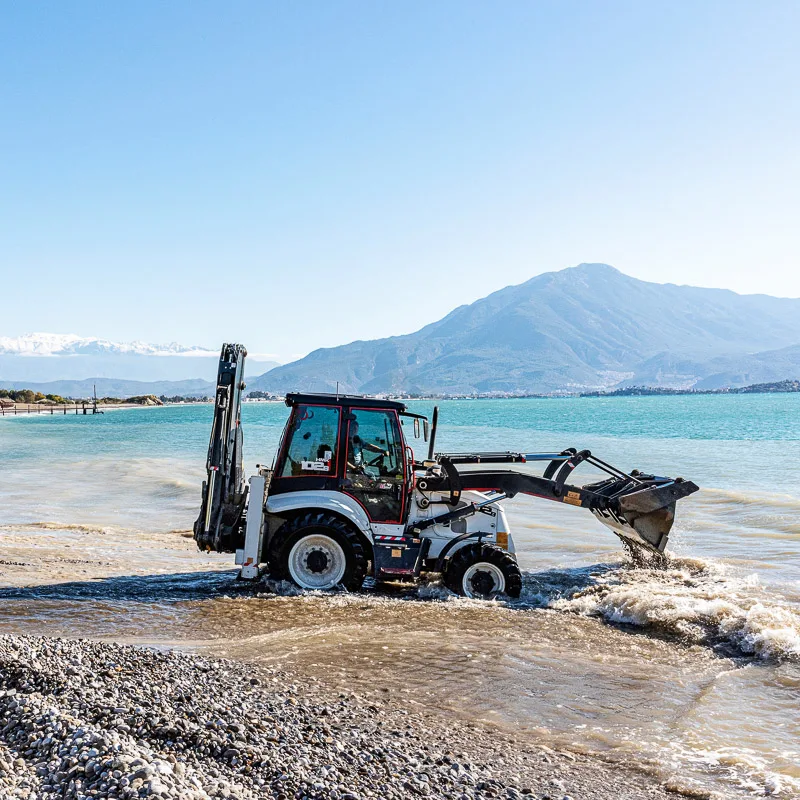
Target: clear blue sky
<point x="295" y="175"/>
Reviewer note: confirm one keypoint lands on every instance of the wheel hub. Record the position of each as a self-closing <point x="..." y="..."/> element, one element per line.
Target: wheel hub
<point x="483" y="579"/>
<point x="317" y="561"/>
<point x="482" y="583"/>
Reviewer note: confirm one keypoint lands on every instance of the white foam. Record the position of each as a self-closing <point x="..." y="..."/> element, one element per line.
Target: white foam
<point x="694" y="600"/>
<point x="741" y="767"/>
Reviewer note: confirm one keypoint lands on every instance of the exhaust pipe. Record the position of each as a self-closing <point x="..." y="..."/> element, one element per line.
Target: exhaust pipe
<point x="434" y="425"/>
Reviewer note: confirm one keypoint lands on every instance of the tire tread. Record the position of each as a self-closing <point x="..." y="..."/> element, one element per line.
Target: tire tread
<point x="466" y="556"/>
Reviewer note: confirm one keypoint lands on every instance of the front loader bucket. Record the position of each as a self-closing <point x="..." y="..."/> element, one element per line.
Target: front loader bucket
<point x="644" y="516"/>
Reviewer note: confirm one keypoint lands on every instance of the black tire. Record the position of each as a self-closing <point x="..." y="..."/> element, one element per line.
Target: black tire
<point x="473" y="554"/>
<point x="319" y="524"/>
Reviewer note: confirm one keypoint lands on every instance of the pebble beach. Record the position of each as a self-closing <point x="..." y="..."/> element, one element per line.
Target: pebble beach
<point x="83" y="719"/>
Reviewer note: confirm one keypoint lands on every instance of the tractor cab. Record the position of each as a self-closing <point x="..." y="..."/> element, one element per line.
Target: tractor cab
<point x="347" y="444"/>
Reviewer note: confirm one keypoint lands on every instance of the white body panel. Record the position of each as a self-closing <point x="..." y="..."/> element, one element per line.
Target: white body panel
<point x="337" y="502"/>
<point x="440" y="535"/>
<point x="347" y="507"/>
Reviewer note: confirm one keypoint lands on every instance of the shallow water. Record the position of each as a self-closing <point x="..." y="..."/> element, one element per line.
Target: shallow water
<point x="693" y="671"/>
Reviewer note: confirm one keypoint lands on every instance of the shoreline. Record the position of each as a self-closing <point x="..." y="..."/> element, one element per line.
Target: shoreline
<point x="115" y="561"/>
<point x="76" y="717"/>
<point x="788" y="386"/>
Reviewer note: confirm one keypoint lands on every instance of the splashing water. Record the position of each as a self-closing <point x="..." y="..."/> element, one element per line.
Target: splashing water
<point x="697" y="601"/>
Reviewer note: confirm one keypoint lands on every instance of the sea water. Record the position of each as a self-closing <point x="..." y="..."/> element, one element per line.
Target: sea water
<point x="692" y="671"/>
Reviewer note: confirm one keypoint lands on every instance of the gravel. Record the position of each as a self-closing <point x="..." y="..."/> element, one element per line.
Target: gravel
<point x="85" y="719"/>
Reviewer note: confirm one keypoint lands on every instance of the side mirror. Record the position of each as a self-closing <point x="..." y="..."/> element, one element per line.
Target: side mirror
<point x="416" y="428"/>
<point x="425" y="429"/>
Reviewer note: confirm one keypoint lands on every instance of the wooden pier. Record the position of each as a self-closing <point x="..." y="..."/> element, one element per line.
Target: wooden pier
<point x="48" y="408"/>
<point x="12" y="408"/>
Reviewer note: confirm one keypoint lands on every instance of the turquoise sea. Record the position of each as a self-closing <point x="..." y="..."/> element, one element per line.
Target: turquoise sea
<point x="693" y="672"/>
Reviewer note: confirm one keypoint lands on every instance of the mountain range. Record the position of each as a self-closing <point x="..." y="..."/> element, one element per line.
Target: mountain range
<point x="582" y="328"/>
<point x="586" y="327"/>
<point x="46" y="357"/>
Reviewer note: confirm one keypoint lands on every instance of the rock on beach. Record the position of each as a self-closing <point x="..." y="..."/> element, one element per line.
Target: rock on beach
<point x="82" y="719"/>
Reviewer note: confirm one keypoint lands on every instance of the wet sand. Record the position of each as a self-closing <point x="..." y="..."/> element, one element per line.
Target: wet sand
<point x="78" y="560"/>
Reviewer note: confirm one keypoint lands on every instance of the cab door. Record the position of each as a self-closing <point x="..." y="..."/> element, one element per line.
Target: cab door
<point x="376" y="473"/>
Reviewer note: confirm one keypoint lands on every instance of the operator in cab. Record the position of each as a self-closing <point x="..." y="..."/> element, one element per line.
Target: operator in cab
<point x="356" y="460"/>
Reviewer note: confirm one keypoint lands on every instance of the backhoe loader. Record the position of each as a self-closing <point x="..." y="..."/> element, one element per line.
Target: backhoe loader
<point x="346" y="498"/>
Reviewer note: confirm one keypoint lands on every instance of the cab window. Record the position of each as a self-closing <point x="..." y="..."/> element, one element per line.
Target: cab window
<point x="374" y="472"/>
<point x="312" y="438"/>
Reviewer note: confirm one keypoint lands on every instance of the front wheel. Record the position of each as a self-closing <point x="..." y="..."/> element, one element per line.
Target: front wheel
<point x="483" y="571"/>
<point x="318" y="551"/>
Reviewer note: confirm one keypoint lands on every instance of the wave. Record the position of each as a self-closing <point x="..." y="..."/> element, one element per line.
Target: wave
<point x="85" y="528"/>
<point x="764" y="500"/>
<point x="693" y="600"/>
<point x="60" y="526"/>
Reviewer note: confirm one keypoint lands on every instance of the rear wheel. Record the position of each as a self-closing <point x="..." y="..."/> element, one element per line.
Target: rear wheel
<point x="318" y="551"/>
<point x="483" y="571"/>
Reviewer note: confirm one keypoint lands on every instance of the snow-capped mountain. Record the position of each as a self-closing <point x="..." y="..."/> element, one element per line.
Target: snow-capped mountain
<point x="40" y="357"/>
<point x="68" y="344"/>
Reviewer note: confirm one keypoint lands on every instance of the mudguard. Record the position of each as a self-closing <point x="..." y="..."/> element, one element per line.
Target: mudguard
<point x="335" y="502"/>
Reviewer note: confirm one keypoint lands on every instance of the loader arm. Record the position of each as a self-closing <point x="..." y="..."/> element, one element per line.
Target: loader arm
<point x="224" y="494"/>
<point x="639" y="508"/>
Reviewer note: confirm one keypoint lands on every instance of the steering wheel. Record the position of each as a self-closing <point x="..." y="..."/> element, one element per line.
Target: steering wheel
<point x="377" y="460"/>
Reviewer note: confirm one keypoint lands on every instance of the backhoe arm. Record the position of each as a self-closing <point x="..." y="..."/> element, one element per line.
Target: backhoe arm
<point x="225" y="490"/>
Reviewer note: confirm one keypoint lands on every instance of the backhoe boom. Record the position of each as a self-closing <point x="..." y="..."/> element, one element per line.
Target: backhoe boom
<point x="224" y="494"/>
